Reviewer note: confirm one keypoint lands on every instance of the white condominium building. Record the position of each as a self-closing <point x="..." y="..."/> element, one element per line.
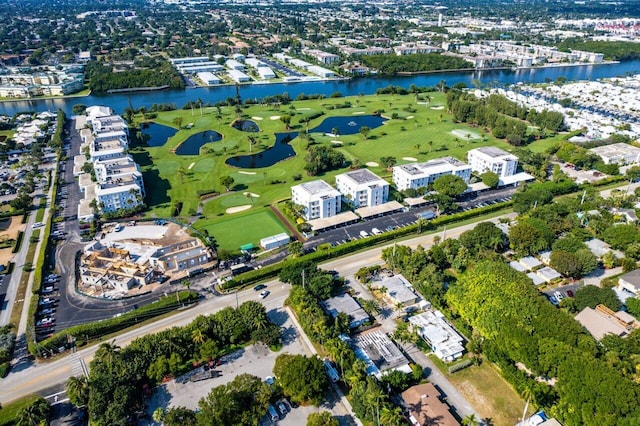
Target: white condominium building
<point x="420" y="175"/>
<point x="123" y="193"/>
<point x="319" y="199"/>
<point x="492" y="159"/>
<point x="363" y="188"/>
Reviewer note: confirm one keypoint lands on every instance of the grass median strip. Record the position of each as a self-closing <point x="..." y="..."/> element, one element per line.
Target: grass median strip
<point x="18" y="305"/>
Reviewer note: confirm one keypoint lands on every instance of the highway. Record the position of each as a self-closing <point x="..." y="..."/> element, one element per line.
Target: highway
<point x="30" y="377"/>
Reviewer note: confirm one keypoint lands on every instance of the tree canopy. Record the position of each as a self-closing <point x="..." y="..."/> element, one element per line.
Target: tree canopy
<point x="450" y="185"/>
<point x="302" y="378"/>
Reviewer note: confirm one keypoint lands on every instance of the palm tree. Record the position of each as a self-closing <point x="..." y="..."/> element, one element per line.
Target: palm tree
<point x="470" y="420"/>
<point x="334" y="132"/>
<point x="417" y="148"/>
<point x="78" y="390"/>
<point x="391" y="416"/>
<point x="34" y="414"/>
<point x="430" y="143"/>
<point x="197" y="336"/>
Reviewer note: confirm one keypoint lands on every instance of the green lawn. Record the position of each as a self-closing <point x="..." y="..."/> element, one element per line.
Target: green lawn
<point x="420" y="131"/>
<point x="243" y="228"/>
<point x="488" y="393"/>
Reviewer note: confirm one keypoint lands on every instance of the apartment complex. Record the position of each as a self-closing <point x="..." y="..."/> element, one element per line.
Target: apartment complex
<point x="420" y="175"/>
<point x="363" y="188"/>
<point x="118" y="180"/>
<point x="492" y="159"/>
<point x="319" y="199"/>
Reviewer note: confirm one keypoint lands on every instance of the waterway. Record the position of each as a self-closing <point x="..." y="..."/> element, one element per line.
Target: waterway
<point x="119" y="101"/>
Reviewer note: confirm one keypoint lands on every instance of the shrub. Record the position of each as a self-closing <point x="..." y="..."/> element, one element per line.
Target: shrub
<point x="460" y="365"/>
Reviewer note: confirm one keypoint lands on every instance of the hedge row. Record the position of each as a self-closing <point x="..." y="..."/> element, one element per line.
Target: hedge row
<point x="460" y="365"/>
<point x="271" y="271"/>
<point x="95" y="330"/>
<point x="19" y="238"/>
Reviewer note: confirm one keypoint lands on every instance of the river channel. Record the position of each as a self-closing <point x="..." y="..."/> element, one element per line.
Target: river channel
<point x="366" y="85"/>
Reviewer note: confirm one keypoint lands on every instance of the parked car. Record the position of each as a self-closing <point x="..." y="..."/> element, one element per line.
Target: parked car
<point x="37" y="225"/>
<point x="376" y="231"/>
<point x="364" y="234"/>
<point x="48" y="289"/>
<point x="264" y="293"/>
<point x="569" y="293"/>
<point x="46" y="311"/>
<point x="46" y="301"/>
<point x="45" y="321"/>
<point x="259" y="287"/>
<point x="282" y="407"/>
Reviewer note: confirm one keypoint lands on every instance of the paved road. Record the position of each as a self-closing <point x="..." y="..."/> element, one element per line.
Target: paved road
<point x="28" y="377"/>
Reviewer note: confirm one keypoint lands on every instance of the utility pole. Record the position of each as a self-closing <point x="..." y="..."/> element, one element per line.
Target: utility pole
<point x="303" y="283"/>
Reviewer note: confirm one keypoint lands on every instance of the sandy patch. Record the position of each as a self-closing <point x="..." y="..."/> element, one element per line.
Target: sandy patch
<point x="190" y="166"/>
<point x="257" y="118"/>
<point x="371" y="164"/>
<point x="242" y="172"/>
<point x="409" y="159"/>
<point x="336" y="142"/>
<point x="357" y="113"/>
<point x="274" y="117"/>
<point x="437" y="107"/>
<point x="9" y="229"/>
<point x="465" y="134"/>
<point x="252" y="194"/>
<point x="303" y="109"/>
<point x="237" y="209"/>
<point x="410" y="117"/>
<point x="422" y="103"/>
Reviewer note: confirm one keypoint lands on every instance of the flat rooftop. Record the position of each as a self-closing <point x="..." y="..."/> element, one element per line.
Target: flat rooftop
<point x="362" y="176"/>
<point x="348" y="305"/>
<point x="316" y="187"/>
<point x="616" y="149"/>
<point x="437" y="165"/>
<point x="493" y="151"/>
<point x="380" y="350"/>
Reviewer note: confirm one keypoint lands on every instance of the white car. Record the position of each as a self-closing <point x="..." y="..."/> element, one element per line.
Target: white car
<point x="376" y="231"/>
<point x="264" y="293"/>
<point x="37" y="225"/>
<point x="364" y="234"/>
<point x="558" y="296"/>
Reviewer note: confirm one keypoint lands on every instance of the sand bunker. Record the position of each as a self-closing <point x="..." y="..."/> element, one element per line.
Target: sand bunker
<point x="191" y="165"/>
<point x="252" y="194"/>
<point x="274" y="117"/>
<point x="303" y="109"/>
<point x="437" y="107"/>
<point x="371" y="164"/>
<point x="465" y="134"/>
<point x="242" y="172"/>
<point x="357" y="113"/>
<point x="410" y="117"/>
<point x="423" y="103"/>
<point x="409" y="159"/>
<point x="257" y="118"/>
<point x="237" y="209"/>
<point x="336" y="142"/>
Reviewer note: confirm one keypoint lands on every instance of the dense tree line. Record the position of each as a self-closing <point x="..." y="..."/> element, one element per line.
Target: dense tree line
<point x="505" y="118"/>
<point x="393" y="64"/>
<point x="152" y="73"/>
<point x="518" y="325"/>
<point x="118" y="375"/>
<point x="613" y="50"/>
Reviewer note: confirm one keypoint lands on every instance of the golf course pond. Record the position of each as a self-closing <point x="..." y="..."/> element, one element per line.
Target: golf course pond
<point x="246" y="126"/>
<point x="192" y="145"/>
<point x="281" y="150"/>
<point x="156" y="134"/>
<point x="348" y="125"/>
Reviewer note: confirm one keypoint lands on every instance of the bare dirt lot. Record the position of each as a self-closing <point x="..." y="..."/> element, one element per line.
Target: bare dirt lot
<point x="9" y="229"/>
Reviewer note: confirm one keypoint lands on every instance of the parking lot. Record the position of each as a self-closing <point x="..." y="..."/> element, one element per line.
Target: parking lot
<point x="256" y="359"/>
